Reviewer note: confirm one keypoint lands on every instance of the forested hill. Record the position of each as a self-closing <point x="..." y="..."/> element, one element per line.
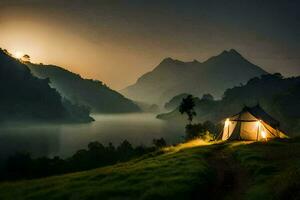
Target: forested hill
<point x="26" y="97"/>
<point x="91" y="93"/>
<point x="277" y="95"/>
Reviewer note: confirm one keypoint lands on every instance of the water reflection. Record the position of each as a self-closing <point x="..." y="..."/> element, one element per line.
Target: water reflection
<point x="64" y="140"/>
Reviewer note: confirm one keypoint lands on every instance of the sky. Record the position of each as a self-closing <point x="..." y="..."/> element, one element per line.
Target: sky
<point x="118" y="41"/>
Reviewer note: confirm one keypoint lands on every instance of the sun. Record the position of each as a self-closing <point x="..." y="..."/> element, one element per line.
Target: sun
<point x="18" y="54"/>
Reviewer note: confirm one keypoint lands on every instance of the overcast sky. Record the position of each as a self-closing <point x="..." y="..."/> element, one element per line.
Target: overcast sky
<point x="117" y="41"/>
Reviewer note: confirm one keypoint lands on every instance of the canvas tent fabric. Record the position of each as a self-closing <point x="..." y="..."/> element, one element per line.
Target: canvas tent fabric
<point x="252" y="123"/>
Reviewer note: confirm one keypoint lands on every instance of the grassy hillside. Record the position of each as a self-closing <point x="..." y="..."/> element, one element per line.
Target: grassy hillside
<point x="238" y="170"/>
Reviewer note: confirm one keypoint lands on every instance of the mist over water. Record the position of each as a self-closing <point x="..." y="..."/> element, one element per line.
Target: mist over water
<point x="65" y="139"/>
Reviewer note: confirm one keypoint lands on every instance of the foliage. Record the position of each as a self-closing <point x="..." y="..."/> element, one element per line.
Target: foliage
<point x="25" y="58"/>
<point x="206" y="131"/>
<point x="187" y="171"/>
<point x="90" y="93"/>
<point x="22" y="165"/>
<point x="75" y="112"/>
<point x="208" y="97"/>
<point x="277" y="95"/>
<point x="159" y="143"/>
<point x="175" y="101"/>
<point x="173" y="175"/>
<point x="187" y="106"/>
<point x="25" y="97"/>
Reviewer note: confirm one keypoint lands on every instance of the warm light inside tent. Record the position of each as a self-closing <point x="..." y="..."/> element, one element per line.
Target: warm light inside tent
<point x="263" y="134"/>
<point x="250" y="126"/>
<point x="258" y="123"/>
<point x="227" y="123"/>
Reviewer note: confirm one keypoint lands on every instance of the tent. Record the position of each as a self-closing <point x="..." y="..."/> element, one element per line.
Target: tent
<point x="252" y="123"/>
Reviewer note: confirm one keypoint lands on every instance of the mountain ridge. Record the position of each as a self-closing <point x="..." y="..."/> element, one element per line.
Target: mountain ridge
<point x="25" y="97"/>
<point x="172" y="77"/>
<point x="92" y="93"/>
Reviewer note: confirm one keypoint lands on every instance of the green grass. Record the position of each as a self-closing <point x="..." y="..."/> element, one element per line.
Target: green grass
<point x="173" y="174"/>
<point x="274" y="168"/>
<point x="181" y="172"/>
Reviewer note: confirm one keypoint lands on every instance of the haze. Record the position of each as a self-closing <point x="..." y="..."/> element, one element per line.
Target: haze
<point x="116" y="42"/>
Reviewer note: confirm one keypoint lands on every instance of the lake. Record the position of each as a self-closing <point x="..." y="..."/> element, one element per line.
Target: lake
<point x="65" y="139"/>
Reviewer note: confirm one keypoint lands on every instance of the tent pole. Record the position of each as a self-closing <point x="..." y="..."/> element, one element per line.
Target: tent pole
<point x="228" y="131"/>
<point x="257" y="132"/>
<point x="240" y="126"/>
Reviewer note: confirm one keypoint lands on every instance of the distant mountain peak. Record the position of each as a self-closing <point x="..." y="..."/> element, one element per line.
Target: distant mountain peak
<point x="228" y="55"/>
<point x="172" y="77"/>
<point x="170" y="60"/>
<point x="231" y="52"/>
<point x="194" y="61"/>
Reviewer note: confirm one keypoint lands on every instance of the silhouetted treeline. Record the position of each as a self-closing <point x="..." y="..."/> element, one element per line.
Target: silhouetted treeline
<point x="26" y="97"/>
<point x="23" y="166"/>
<point x="277" y="95"/>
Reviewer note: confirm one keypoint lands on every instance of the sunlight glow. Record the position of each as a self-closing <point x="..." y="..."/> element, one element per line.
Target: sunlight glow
<point x="18" y="54"/>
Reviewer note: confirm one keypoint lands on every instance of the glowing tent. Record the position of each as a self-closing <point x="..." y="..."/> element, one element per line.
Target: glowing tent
<point x="251" y="124"/>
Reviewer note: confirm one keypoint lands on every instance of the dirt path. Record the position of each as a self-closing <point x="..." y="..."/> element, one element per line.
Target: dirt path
<point x="232" y="180"/>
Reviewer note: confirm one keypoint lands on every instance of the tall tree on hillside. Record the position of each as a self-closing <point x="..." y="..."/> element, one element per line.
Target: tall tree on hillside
<point x="26" y="58"/>
<point x="187" y="106"/>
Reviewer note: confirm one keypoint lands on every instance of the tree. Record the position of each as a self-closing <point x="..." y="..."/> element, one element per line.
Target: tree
<point x="193" y="131"/>
<point x="187" y="106"/>
<point x="26" y="58"/>
<point x="206" y="131"/>
<point x="96" y="146"/>
<point x="159" y="143"/>
<point x="125" y="150"/>
<point x="208" y="97"/>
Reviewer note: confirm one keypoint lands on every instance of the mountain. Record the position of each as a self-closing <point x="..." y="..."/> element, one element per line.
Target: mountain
<point x="172" y="77"/>
<point x="91" y="93"/>
<point x="26" y="97"/>
<point x="277" y="95"/>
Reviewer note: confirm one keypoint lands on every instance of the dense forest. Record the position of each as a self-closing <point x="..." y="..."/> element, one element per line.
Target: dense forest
<point x="91" y="93"/>
<point x="25" y="97"/>
<point x="279" y="96"/>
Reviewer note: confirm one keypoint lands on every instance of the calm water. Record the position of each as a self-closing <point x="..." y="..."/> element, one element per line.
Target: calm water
<point x="64" y="140"/>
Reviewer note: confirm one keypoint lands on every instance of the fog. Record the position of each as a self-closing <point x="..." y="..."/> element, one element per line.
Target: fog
<point x="65" y="139"/>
